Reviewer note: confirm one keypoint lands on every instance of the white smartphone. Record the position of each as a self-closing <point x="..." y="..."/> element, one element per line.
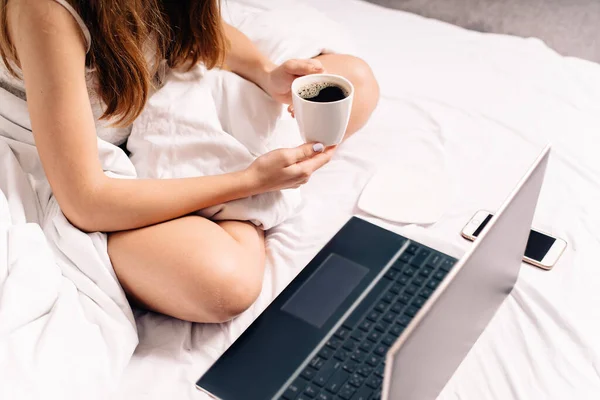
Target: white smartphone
<point x="542" y="250"/>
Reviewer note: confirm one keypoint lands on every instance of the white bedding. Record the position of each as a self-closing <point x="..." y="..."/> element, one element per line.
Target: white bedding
<point x="486" y="104"/>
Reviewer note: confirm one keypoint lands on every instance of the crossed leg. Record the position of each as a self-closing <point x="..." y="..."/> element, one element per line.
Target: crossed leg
<point x="198" y="270"/>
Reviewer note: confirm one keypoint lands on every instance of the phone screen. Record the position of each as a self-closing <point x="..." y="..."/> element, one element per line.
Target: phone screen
<point x="537" y="245"/>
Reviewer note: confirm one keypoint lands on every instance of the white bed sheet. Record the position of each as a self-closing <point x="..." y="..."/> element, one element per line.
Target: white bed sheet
<point x="485" y="104"/>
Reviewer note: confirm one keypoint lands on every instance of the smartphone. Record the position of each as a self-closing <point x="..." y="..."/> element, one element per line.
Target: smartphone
<point x="542" y="250"/>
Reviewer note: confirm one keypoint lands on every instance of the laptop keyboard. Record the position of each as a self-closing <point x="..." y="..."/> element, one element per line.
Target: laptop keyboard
<point x="350" y="365"/>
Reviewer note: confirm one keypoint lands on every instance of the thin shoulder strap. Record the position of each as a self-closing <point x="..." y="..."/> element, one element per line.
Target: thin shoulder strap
<point x="84" y="29"/>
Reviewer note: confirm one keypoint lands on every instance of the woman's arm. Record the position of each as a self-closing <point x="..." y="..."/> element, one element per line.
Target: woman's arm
<point x="244" y="58"/>
<point x="247" y="61"/>
<point x="52" y="56"/>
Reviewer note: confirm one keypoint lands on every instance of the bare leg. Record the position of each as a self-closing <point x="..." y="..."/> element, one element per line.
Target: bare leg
<point x="366" y="89"/>
<point x="191" y="268"/>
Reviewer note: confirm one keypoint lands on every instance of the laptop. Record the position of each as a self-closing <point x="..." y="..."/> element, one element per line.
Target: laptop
<point x="376" y="315"/>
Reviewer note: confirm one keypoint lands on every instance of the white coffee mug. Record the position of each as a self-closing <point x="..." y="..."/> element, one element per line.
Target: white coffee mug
<point x="325" y="123"/>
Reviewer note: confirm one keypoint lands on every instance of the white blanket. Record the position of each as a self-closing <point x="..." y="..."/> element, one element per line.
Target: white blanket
<point x="489" y="102"/>
<point x="212" y="122"/>
<point x="66" y="328"/>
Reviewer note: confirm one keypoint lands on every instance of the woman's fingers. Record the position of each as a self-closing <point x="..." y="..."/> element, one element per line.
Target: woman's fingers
<point x="312" y="164"/>
<point x="290" y="109"/>
<point x="303" y="67"/>
<point x="305" y="159"/>
<point x="305" y="151"/>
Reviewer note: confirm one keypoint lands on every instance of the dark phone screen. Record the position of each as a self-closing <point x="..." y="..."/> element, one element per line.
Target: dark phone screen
<point x="537" y="245"/>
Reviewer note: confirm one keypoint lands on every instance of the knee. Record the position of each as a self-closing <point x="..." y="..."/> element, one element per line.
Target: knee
<point x="236" y="291"/>
<point x="233" y="286"/>
<point x="361" y="75"/>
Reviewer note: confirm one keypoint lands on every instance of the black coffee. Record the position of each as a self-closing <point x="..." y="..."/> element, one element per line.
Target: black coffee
<point x="322" y="92"/>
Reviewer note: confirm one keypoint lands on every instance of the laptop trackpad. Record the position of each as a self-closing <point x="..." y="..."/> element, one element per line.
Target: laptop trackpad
<point x="326" y="289"/>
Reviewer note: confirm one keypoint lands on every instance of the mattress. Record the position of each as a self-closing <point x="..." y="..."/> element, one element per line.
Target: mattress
<point x="483" y="105"/>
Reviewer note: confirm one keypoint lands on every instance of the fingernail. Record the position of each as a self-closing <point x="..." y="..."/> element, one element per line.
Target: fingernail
<point x="318" y="147"/>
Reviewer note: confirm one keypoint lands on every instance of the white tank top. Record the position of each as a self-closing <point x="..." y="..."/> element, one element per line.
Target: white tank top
<point x="17" y="88"/>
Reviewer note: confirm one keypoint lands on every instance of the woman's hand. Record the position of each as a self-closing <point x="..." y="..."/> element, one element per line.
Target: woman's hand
<point x="286" y="168"/>
<point x="278" y="81"/>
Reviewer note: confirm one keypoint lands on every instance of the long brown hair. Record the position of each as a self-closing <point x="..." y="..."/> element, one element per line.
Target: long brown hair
<point x="182" y="32"/>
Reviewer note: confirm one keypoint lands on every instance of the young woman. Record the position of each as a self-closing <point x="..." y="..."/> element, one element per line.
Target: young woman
<point x="78" y="62"/>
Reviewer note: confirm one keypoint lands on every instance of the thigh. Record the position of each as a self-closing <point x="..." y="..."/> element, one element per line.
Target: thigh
<point x="191" y="268"/>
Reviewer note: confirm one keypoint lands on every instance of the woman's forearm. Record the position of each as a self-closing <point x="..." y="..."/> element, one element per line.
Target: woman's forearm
<point x="123" y="204"/>
<point x="245" y="59"/>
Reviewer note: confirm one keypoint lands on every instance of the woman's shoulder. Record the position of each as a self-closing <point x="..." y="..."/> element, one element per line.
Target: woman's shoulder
<point x="44" y="16"/>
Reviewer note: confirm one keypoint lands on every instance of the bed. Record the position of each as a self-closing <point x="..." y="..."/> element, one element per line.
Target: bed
<point x="483" y="105"/>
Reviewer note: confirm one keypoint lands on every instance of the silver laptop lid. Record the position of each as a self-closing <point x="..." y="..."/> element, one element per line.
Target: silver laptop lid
<point x="425" y="356"/>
